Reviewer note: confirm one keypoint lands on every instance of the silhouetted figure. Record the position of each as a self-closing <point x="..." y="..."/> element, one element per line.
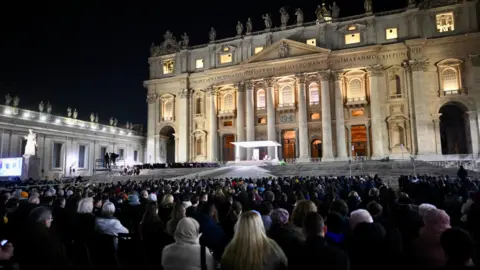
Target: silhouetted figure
<point x="106" y="159"/>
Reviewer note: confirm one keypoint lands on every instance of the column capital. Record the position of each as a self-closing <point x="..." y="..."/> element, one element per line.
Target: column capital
<point x="475" y="59"/>
<point x="338" y="75"/>
<point x="471" y="114"/>
<point x="248" y="85"/>
<point x="152" y="98"/>
<point x="240" y="86"/>
<point x="300" y="78"/>
<point x="375" y="70"/>
<point x="324" y="75"/>
<point x="211" y="91"/>
<point x="418" y="65"/>
<point x="184" y="93"/>
<point x="269" y="81"/>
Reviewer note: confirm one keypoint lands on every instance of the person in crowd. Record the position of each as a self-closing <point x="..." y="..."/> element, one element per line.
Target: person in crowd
<point x="302" y="208"/>
<point x="283" y="232"/>
<point x="166" y="207"/>
<point x="108" y="223"/>
<point x="251" y="249"/>
<point x="459" y="249"/>
<point x="231" y="219"/>
<point x="337" y="233"/>
<point x="178" y="213"/>
<point x="84" y="221"/>
<point x="213" y="235"/>
<point x="266" y="209"/>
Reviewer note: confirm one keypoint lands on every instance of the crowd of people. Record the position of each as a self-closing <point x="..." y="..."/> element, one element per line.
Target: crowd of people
<point x="244" y="224"/>
<point x="179" y="165"/>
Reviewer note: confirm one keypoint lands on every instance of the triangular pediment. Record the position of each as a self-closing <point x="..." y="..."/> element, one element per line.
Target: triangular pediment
<point x="286" y="48"/>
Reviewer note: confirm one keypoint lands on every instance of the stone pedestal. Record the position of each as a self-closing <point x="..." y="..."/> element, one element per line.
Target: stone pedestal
<point x="31" y="168"/>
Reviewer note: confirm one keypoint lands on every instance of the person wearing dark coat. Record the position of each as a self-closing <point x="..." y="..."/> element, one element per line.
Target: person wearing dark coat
<point x="282" y="232"/>
<point x="213" y="235"/>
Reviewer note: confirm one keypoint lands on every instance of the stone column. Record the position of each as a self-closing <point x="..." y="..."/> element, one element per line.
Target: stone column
<point x="326" y="116"/>
<point x="280" y="154"/>
<point x="339" y="116"/>
<point x="240" y="122"/>
<point x="436" y="125"/>
<point x="367" y="128"/>
<point x="349" y="138"/>
<point x="297" y="145"/>
<point x="376" y="74"/>
<point x="302" y="120"/>
<point x="250" y="121"/>
<point x="212" y="128"/>
<point x="271" y="119"/>
<point x="472" y="118"/>
<point x="183" y="125"/>
<point x="152" y="103"/>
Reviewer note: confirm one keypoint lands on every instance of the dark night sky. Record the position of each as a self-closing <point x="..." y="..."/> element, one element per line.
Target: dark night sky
<point x="92" y="55"/>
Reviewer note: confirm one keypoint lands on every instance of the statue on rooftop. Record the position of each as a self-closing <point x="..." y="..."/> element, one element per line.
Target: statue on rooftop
<point x="368" y="6"/>
<point x="284" y="17"/>
<point x="111" y="121"/>
<point x="335" y="10"/>
<point x="412" y="3"/>
<point x="185" y="40"/>
<point x="268" y="21"/>
<point x="16" y="100"/>
<point x="212" y="34"/>
<point x="8" y="99"/>
<point x="326" y="13"/>
<point x="92" y="117"/>
<point x="318" y="13"/>
<point x="69" y="112"/>
<point x="115" y="122"/>
<point x="96" y="118"/>
<point x="41" y="106"/>
<point x="49" y="107"/>
<point x="75" y="113"/>
<point x="299" y="14"/>
<point x="249" y="26"/>
<point x="169" y="45"/>
<point x="239" y="28"/>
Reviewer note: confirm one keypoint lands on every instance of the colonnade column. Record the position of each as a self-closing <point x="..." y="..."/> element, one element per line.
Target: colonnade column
<point x="240" y="122"/>
<point x="302" y="120"/>
<point x="152" y="104"/>
<point x="271" y="119"/>
<point x="375" y="74"/>
<point x="339" y="116"/>
<point x="250" y="121"/>
<point x="183" y="126"/>
<point x="436" y="126"/>
<point x="326" y="116"/>
<point x="212" y="128"/>
<point x="471" y="117"/>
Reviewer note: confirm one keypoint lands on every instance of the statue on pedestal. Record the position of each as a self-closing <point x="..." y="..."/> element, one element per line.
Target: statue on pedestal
<point x="96" y="118"/>
<point x="318" y="13"/>
<point x="268" y="21"/>
<point x="75" y="114"/>
<point x="185" y="40"/>
<point x="69" y="112"/>
<point x="8" y="99"/>
<point x="212" y="34"/>
<point x="115" y="121"/>
<point x="284" y="17"/>
<point x="16" y="100"/>
<point x="92" y="117"/>
<point x="239" y="28"/>
<point x="249" y="26"/>
<point x="111" y="121"/>
<point x="368" y="6"/>
<point x="49" y="107"/>
<point x="335" y="10"/>
<point x="31" y="143"/>
<point x="41" y="106"/>
<point x="127" y="125"/>
<point x="299" y="14"/>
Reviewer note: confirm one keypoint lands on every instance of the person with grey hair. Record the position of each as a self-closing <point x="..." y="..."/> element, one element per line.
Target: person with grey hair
<point x="108" y="224"/>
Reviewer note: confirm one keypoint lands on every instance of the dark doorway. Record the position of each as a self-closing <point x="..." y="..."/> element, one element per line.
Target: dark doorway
<point x="452" y="130"/>
<point x="168" y="132"/>
<point x="288" y="144"/>
<point x="316" y="149"/>
<point x="228" y="147"/>
<point x="359" y="141"/>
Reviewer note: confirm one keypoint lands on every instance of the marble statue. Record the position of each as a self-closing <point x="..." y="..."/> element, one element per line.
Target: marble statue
<point x="239" y="28"/>
<point x="115" y="122"/>
<point x="75" y="113"/>
<point x="69" y="112"/>
<point x="16" y="100"/>
<point x="185" y="40"/>
<point x="269" y="40"/>
<point x="127" y="125"/>
<point x="326" y="13"/>
<point x="49" y="107"/>
<point x="249" y="26"/>
<point x="92" y="117"/>
<point x="212" y="34"/>
<point x="41" y="106"/>
<point x="8" y="99"/>
<point x="267" y="20"/>
<point x="111" y="121"/>
<point x="154" y="50"/>
<point x="31" y="143"/>
<point x="412" y="3"/>
<point x="368" y="6"/>
<point x="299" y="14"/>
<point x="335" y="10"/>
<point x="318" y="13"/>
<point x="283" y="50"/>
<point x="96" y="118"/>
<point x="284" y="17"/>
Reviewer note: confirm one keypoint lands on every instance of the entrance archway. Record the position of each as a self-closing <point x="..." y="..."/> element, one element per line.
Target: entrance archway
<point x="453" y="134"/>
<point x="316" y="149"/>
<point x="228" y="148"/>
<point x="167" y="145"/>
<point x="288" y="144"/>
<point x="359" y="141"/>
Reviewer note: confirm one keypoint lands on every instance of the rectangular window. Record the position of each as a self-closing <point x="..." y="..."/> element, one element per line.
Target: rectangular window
<point x="135" y="155"/>
<point x="356" y="113"/>
<point x="445" y="22"/>
<point x="258" y="49"/>
<point x="228" y="123"/>
<point x="121" y="153"/>
<point x="312" y="42"/>
<point x="315" y="116"/>
<point x="57" y="155"/>
<point x="225" y="58"/>
<point x="352" y="38"/>
<point x="82" y="150"/>
<point x="262" y="120"/>
<point x="168" y="66"/>
<point x="391" y="33"/>
<point x="199" y="63"/>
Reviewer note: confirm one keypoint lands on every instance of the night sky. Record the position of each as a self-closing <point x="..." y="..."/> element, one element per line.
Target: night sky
<point x="92" y="55"/>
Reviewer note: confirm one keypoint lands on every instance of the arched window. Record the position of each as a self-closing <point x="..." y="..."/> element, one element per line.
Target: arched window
<point x="168" y="110"/>
<point x="287" y="95"/>
<point x="313" y="95"/>
<point x="228" y="102"/>
<point x="450" y="79"/>
<point x="355" y="88"/>
<point x="198" y="147"/>
<point x="198" y="105"/>
<point x="261" y="98"/>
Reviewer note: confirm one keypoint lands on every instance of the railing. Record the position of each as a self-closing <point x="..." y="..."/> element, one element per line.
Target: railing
<point x="286" y="105"/>
<point x="356" y="99"/>
<point x="315" y="103"/>
<point x="452" y="92"/>
<point x="226" y="112"/>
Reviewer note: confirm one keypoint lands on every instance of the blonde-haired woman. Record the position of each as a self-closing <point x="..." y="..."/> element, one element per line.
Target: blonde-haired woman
<point x="300" y="211"/>
<point x="251" y="249"/>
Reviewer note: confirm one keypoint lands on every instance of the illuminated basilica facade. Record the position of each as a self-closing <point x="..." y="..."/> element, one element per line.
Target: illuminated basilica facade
<point x="398" y="83"/>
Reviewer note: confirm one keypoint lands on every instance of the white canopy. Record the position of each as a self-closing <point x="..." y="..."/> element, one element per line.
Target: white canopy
<point x="254" y="144"/>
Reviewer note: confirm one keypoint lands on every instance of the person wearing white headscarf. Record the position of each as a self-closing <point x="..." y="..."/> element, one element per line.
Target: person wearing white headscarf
<point x="185" y="253"/>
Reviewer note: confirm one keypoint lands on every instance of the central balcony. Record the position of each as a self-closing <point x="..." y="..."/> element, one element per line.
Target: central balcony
<point x="286" y="107"/>
<point x="227" y="114"/>
<point x="356" y="102"/>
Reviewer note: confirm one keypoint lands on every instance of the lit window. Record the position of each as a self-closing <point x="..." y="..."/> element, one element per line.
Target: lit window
<point x="226" y="49"/>
<point x="352" y="38"/>
<point x="168" y="66"/>
<point x="450" y="80"/>
<point x="356" y="113"/>
<point x="199" y="63"/>
<point x="391" y="33"/>
<point x="261" y="98"/>
<point x="355" y="88"/>
<point x="225" y="58"/>
<point x="315" y="116"/>
<point x="313" y="94"/>
<point x="352" y="28"/>
<point x="287" y="95"/>
<point x="445" y="22"/>
<point x="312" y="42"/>
<point x="262" y="120"/>
<point x="228" y="102"/>
<point x="228" y="124"/>
<point x="258" y="49"/>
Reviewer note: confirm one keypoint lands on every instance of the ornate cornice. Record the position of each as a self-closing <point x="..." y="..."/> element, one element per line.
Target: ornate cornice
<point x="375" y="70"/>
<point x="300" y="78"/>
<point x="325" y="75"/>
<point x="419" y="65"/>
<point x="152" y="98"/>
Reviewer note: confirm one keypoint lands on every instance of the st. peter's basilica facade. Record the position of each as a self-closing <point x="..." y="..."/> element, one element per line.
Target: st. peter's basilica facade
<point x="398" y="83"/>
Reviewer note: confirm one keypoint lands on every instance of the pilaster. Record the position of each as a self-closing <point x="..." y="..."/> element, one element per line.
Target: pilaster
<point x="183" y="125"/>
<point x="212" y="128"/>
<point x="471" y="116"/>
<point x="375" y="74"/>
<point x="270" y="96"/>
<point x="339" y="115"/>
<point x="151" y="126"/>
<point x="250" y="120"/>
<point x="436" y="126"/>
<point x="240" y="122"/>
<point x="304" y="155"/>
<point x="326" y="116"/>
